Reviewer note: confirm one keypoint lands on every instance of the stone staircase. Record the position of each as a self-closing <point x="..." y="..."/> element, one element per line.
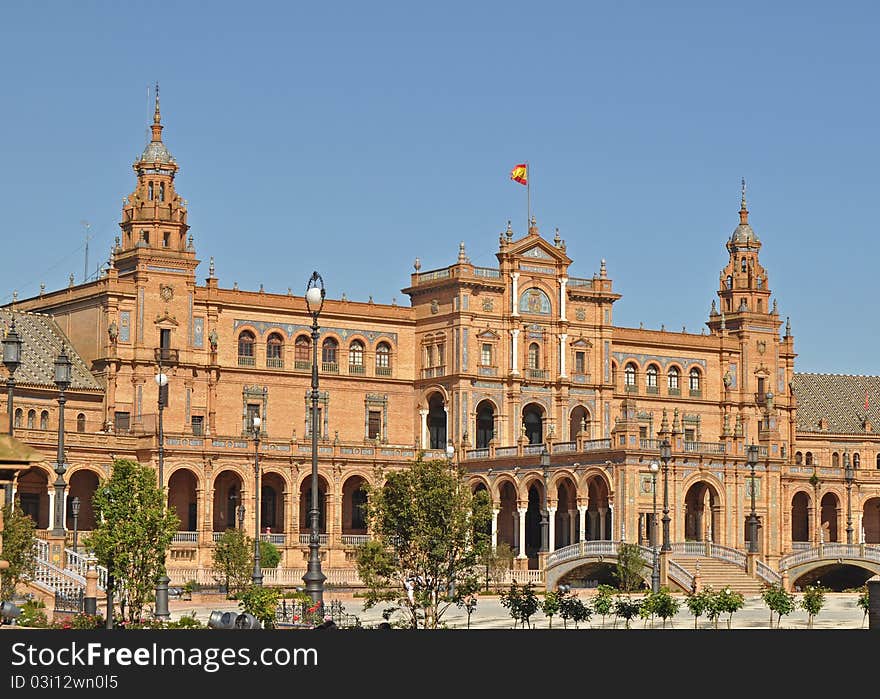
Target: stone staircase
<point x="716" y="573"/>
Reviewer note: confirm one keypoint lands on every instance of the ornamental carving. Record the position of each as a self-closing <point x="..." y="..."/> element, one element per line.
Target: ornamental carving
<point x="580" y="314"/>
<point x="435" y="306"/>
<point x="488" y="305"/>
<point x="166" y="291"/>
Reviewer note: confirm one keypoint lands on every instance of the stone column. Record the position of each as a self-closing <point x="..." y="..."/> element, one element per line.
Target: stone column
<point x="562" y="282"/>
<point x="514" y="351"/>
<point x="514" y="297"/>
<point x="582" y="512"/>
<point x="602" y="511"/>
<point x="423" y="435"/>
<point x="572" y="535"/>
<point x="551" y="545"/>
<point x="562" y="338"/>
<point x="522" y="532"/>
<point x="495" y="513"/>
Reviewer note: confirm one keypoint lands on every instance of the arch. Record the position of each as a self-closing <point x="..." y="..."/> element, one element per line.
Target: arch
<point x="533" y="423"/>
<point x="598" y="517"/>
<point x="305" y="504"/>
<point x="809" y="458"/>
<point x="81" y="422"/>
<point x="354" y="501"/>
<point x="508" y="516"/>
<point x="534" y="356"/>
<point x="183" y="485"/>
<point x="651" y="374"/>
<point x="673" y="378"/>
<point x="856" y="460"/>
<point x="275" y="351"/>
<point x="485" y="423"/>
<point x="82" y="484"/>
<point x="356" y="357"/>
<point x="17" y="418"/>
<point x="801" y="504"/>
<point x="835" y="460"/>
<point x="477" y="483"/>
<point x="437" y="427"/>
<point x="383" y="359"/>
<point x="302" y="352"/>
<point x="228" y="495"/>
<point x="246" y="347"/>
<point x="31" y="419"/>
<point x="871" y="520"/>
<point x="798" y="457"/>
<point x="695" y="379"/>
<point x="272" y="488"/>
<point x="702" y="494"/>
<point x="630" y="371"/>
<point x="829" y="508"/>
<point x="329" y="351"/>
<point x="614" y="374"/>
<point x="877" y="460"/>
<point x="579" y="421"/>
<point x="32" y="492"/>
<point x="535" y="496"/>
<point x="566" y="520"/>
<point x="535" y="301"/>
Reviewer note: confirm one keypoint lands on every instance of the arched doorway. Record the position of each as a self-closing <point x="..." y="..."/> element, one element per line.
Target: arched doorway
<point x="533" y="522"/>
<point x="305" y="504"/>
<point x="871" y="520"/>
<point x="271" y="503"/>
<point x="354" y="500"/>
<point x="183" y="500"/>
<point x="436" y="422"/>
<point x="828" y="517"/>
<point x="508" y="526"/>
<point x="598" y="515"/>
<point x="579" y="421"/>
<point x="565" y="519"/>
<point x="227" y="497"/>
<point x="83" y="484"/>
<point x="485" y="424"/>
<point x="32" y="493"/>
<point x="702" y="513"/>
<point x="800" y="517"/>
<point x="533" y="423"/>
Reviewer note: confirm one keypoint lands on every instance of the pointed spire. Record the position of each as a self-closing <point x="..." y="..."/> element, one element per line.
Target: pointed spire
<point x="533" y="226"/>
<point x="462" y="256"/>
<point x="787" y="326"/>
<point x="157" y="119"/>
<point x="417" y="265"/>
<point x="664" y="423"/>
<point x="676" y="423"/>
<point x="713" y="311"/>
<point x="603" y="273"/>
<point x="509" y="230"/>
<point x="211" y="268"/>
<point x="743" y="210"/>
<point x="557" y="241"/>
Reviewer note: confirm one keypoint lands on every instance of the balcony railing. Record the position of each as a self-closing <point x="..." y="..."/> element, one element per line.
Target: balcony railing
<point x="277" y="539"/>
<point x="275" y="362"/>
<point x="302" y="364"/>
<point x="330" y="367"/>
<point x="185" y="537"/>
<point x="322" y="539"/>
<point x="354" y="539"/>
<point x="383" y="371"/>
<point x="357" y="369"/>
<point x="430" y="372"/>
<point x="246" y="361"/>
<point x="538" y="374"/>
<point x="166" y="356"/>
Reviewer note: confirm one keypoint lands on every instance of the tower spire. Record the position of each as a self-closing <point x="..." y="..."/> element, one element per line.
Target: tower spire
<point x="157" y="119"/>
<point x="743" y="210"/>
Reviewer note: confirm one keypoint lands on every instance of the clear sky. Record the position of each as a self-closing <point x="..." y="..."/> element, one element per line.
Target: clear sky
<point x="351" y="138"/>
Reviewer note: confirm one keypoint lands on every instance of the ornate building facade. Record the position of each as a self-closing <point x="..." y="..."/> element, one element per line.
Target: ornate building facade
<point x="548" y="405"/>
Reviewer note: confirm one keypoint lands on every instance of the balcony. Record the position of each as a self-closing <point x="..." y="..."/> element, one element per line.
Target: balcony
<point x="166" y="356"/>
<point x="302" y="364"/>
<point x="246" y="361"/>
<point x="330" y="367"/>
<point x="357" y="369"/>
<point x="540" y="374"/>
<point x="274" y="363"/>
<point x="430" y="372"/>
<point x="383" y="371"/>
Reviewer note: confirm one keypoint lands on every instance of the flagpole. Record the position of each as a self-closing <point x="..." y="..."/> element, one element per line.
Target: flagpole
<point x="528" y="197"/>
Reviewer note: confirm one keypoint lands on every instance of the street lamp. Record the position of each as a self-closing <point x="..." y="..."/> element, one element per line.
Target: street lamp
<point x="63" y="373"/>
<point x="74" y="509"/>
<point x="665" y="456"/>
<point x="12" y="360"/>
<point x="258" y="574"/>
<point x="162" y="383"/>
<point x="849" y="476"/>
<point x="314" y="578"/>
<point x="655" y="569"/>
<point x="753" y="518"/>
<point x="545" y="511"/>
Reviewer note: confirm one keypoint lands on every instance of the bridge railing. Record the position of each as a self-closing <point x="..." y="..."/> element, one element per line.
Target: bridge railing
<point x="766" y="573"/>
<point x="581" y="549"/>
<point x="726" y="553"/>
<point x="680" y="575"/>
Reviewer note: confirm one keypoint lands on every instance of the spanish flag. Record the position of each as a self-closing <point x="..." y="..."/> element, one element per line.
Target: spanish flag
<point x="520" y="174"/>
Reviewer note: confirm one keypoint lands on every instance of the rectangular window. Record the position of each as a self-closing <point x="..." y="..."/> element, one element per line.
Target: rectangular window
<point x="309" y="421"/>
<point x="165" y="338"/>
<point x="374" y="424"/>
<point x="253" y="410"/>
<point x="580" y="362"/>
<point x="198" y="425"/>
<point x="122" y="421"/>
<point x="486" y="354"/>
<point x="643" y="432"/>
<point x="689" y="435"/>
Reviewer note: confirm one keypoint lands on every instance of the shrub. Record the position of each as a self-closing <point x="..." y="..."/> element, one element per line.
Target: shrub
<point x="813" y="601"/>
<point x="32" y="614"/>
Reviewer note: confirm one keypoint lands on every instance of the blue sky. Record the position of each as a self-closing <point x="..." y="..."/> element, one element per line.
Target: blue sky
<point x="353" y="137"/>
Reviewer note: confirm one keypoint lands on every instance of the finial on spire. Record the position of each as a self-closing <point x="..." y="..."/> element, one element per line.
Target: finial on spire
<point x="603" y="273"/>
<point x="557" y="241"/>
<point x="743" y="210"/>
<point x="787" y="326"/>
<point x="509" y="230"/>
<point x="157" y="118"/>
<point x="211" y="268"/>
<point x="533" y="226"/>
<point x="462" y="256"/>
<point x="664" y="423"/>
<point x="417" y="265"/>
<point x="713" y="311"/>
<point x="14" y="298"/>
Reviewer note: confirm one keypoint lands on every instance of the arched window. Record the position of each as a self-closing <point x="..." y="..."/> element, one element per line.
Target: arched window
<point x="81" y="423"/>
<point x="329" y="352"/>
<point x="629" y="376"/>
<point x="274" y="348"/>
<point x="694" y="380"/>
<point x="672" y="378"/>
<point x="857" y="460"/>
<point x="383" y="359"/>
<point x="18" y="415"/>
<point x="613" y="374"/>
<point x="651" y="378"/>
<point x="246" y="344"/>
<point x="302" y="352"/>
<point x="799" y="458"/>
<point x="835" y="460"/>
<point x="161" y="191"/>
<point x="809" y="458"/>
<point x="729" y="282"/>
<point x="44" y="420"/>
<point x="150" y="191"/>
<point x="356" y="357"/>
<point x="534" y="356"/>
<point x="32" y="418"/>
<point x="742" y="264"/>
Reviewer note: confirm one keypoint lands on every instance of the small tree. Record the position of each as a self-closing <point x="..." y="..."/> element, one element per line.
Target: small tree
<point x="233" y="559"/>
<point x="863" y="602"/>
<point x="697" y="602"/>
<point x="779" y="601"/>
<point x="270" y="554"/>
<point x="510" y="601"/>
<point x="551" y="604"/>
<point x="604" y="602"/>
<point x="133" y="532"/>
<point x="261" y="602"/>
<point x="469" y="604"/>
<point x="813" y="601"/>
<point x="627" y="609"/>
<point x="571" y="607"/>
<point x="665" y="605"/>
<point x="630" y="564"/>
<point x="18" y="549"/>
<point x="729" y="603"/>
<point x="713" y="606"/>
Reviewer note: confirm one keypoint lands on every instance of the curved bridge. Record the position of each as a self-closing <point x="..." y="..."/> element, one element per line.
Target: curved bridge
<point x="865" y="556"/>
<point x="564" y="560"/>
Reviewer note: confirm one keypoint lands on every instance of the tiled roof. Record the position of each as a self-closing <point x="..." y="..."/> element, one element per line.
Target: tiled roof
<point x="839" y="399"/>
<point x="41" y="343"/>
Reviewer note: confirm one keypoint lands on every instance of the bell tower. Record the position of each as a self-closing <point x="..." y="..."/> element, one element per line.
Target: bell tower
<point x="154" y="226"/>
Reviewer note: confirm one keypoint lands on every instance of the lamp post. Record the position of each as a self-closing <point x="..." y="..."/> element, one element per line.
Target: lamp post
<point x="257" y="577"/>
<point x="545" y="511"/>
<point x="162" y="383"/>
<point x="849" y="477"/>
<point x="314" y="578"/>
<point x="63" y="372"/>
<point x="74" y="509"/>
<point x="665" y="456"/>
<point x="753" y="518"/>
<point x="655" y="568"/>
<point x="12" y="360"/>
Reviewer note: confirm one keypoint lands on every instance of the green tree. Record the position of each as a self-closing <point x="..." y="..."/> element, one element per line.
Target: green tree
<point x="521" y="603"/>
<point x="261" y="602"/>
<point x="270" y="554"/>
<point x="665" y="605"/>
<point x="133" y="532"/>
<point x="863" y="601"/>
<point x="551" y="604"/>
<point x="630" y="564"/>
<point x="604" y="602"/>
<point x="469" y="604"/>
<point x="18" y="549"/>
<point x="233" y="559"/>
<point x="495" y="562"/>
<point x="429" y="535"/>
<point x="509" y="599"/>
<point x="779" y="601"/>
<point x="697" y="602"/>
<point x="813" y="601"/>
<point x="729" y="602"/>
<point x="627" y="609"/>
<point x="646" y="611"/>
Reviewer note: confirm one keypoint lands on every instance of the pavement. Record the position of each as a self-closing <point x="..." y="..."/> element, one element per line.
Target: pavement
<point x="839" y="612"/>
